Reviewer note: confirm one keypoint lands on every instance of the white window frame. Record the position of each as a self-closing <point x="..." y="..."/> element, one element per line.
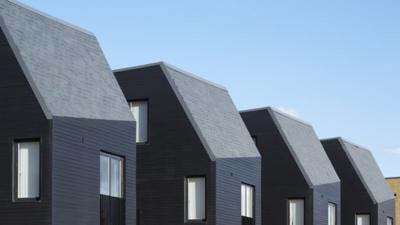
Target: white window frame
<point x="200" y="198"/>
<point x="362" y="215"/>
<point x="140" y="112"/>
<point x="291" y="209"/>
<point x="332" y="214"/>
<point x="109" y="189"/>
<point x="389" y="220"/>
<point x="27" y="176"/>
<point x="247" y="200"/>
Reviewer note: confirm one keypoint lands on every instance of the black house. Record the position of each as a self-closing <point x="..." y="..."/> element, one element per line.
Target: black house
<point x="197" y="163"/>
<point x="67" y="137"/>
<point x="299" y="183"/>
<point x="366" y="197"/>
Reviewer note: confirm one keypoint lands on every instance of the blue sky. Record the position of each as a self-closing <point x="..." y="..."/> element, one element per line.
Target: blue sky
<point x="335" y="64"/>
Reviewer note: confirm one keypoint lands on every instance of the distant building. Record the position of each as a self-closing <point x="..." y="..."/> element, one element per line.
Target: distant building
<point x="394" y="183"/>
<point x="366" y="197"/>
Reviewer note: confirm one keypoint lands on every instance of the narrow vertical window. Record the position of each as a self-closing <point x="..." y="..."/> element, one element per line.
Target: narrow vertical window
<point x="196" y="198"/>
<point x="104" y="175"/>
<point x="362" y="219"/>
<point x="140" y="113"/>
<point x="247" y="199"/>
<point x="296" y="212"/>
<point x="27" y="170"/>
<point x="111" y="175"/>
<point x="331" y="214"/>
<point x="389" y="221"/>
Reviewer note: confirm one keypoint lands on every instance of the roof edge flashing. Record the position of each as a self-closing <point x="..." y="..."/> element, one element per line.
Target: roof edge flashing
<point x="191" y="75"/>
<point x="254" y="109"/>
<point x="169" y="66"/>
<point x="290" y="117"/>
<point x="125" y="69"/>
<point x="271" y="109"/>
<point x="38" y="12"/>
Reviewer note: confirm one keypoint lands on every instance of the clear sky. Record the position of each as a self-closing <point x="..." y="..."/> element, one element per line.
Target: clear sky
<point x="335" y="64"/>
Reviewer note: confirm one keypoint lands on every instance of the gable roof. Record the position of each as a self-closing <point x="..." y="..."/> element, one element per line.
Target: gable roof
<point x="63" y="64"/>
<point x="367" y="170"/>
<point x="211" y="112"/>
<point x="305" y="147"/>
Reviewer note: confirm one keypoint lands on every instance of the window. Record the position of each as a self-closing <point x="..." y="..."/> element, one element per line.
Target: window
<point x="27" y="170"/>
<point x="196" y="198"/>
<point x="247" y="201"/>
<point x="362" y="219"/>
<point x="331" y="214"/>
<point x="389" y="221"/>
<point x="296" y="212"/>
<point x="140" y="113"/>
<point x="111" y="175"/>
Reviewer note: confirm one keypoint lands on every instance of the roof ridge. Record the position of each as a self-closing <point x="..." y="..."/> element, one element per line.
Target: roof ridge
<point x="290" y="117"/>
<point x="53" y="18"/>
<point x="254" y="109"/>
<point x="169" y="66"/>
<point x="123" y="69"/>
<point x="358" y="146"/>
<point x="280" y="112"/>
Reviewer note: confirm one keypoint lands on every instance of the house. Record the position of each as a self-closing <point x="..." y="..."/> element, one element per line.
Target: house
<point x="299" y="183"/>
<point x="67" y="137"/>
<point x="366" y="198"/>
<point x="197" y="163"/>
<point x="394" y="183"/>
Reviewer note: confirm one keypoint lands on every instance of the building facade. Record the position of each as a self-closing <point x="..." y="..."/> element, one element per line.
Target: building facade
<point x="394" y="183"/>
<point x="67" y="137"/>
<point x="366" y="197"/>
<point x="299" y="183"/>
<point x="197" y="163"/>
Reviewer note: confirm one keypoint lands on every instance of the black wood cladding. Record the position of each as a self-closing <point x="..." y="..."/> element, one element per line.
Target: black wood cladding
<point x="173" y="152"/>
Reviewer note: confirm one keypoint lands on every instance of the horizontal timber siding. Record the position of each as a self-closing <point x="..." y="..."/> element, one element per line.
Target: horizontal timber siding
<point x="76" y="168"/>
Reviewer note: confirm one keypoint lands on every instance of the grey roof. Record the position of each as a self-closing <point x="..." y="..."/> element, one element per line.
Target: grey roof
<point x="213" y="115"/>
<point x="368" y="170"/>
<point x="211" y="111"/>
<point x="63" y="64"/>
<point x="304" y="144"/>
